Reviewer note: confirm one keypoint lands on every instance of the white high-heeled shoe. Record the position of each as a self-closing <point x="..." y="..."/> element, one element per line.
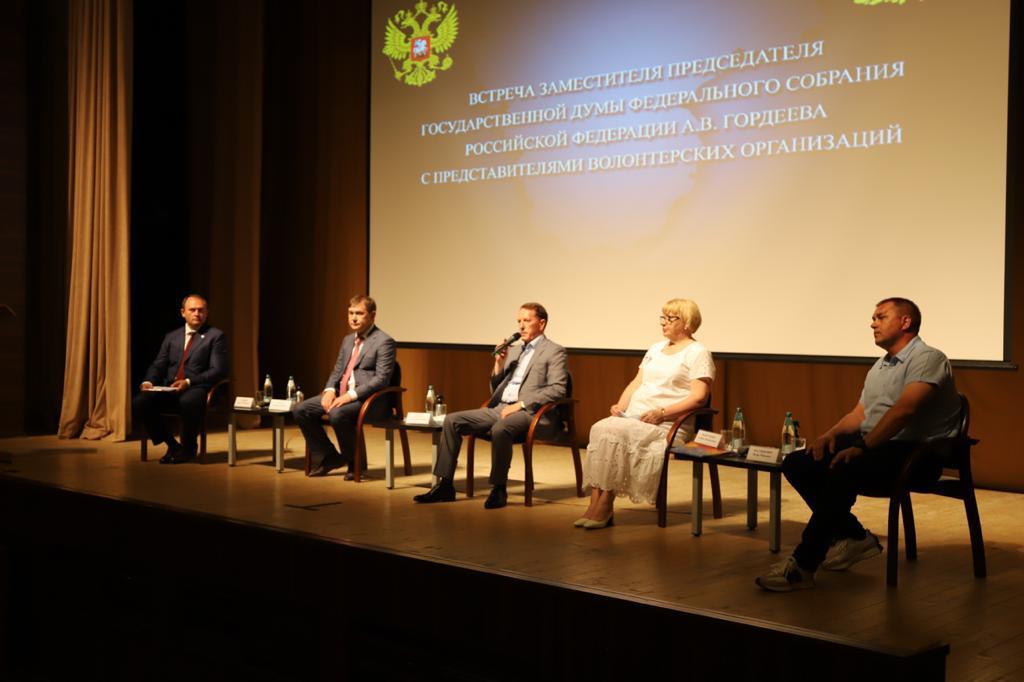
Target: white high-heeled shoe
<point x="591" y="524"/>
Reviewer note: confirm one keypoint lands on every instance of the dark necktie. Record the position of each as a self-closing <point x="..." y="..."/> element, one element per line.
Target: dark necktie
<point x="184" y="356"/>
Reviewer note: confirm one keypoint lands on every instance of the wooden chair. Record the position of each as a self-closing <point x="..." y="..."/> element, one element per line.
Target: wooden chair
<point x="218" y="392"/>
<point x="389" y="421"/>
<point x="953" y="453"/>
<point x="565" y="436"/>
<point x="702" y="420"/>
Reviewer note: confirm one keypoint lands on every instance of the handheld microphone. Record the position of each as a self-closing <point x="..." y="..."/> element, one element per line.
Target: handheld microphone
<point x="504" y="346"/>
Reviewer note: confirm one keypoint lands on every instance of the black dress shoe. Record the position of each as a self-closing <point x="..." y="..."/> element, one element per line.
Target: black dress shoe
<point x="325" y="467"/>
<point x="182" y="456"/>
<point x="497" y="499"/>
<point x="444" y="491"/>
<point x="172" y="449"/>
<point x="350" y="475"/>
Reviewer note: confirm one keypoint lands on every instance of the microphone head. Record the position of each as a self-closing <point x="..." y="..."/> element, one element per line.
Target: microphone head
<point x="514" y="337"/>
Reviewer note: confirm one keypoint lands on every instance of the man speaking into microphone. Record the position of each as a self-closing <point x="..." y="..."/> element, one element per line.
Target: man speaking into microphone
<point x="524" y="378"/>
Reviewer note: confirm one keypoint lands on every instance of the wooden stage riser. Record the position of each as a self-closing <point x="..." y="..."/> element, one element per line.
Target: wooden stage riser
<point x="131" y="590"/>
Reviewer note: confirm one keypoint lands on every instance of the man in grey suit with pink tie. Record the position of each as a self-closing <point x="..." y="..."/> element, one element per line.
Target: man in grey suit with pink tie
<point x="523" y="379"/>
<point x="190" y="362"/>
<point x="365" y="363"/>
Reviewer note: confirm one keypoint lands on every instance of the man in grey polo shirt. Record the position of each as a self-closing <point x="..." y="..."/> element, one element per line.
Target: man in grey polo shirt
<point x="909" y="396"/>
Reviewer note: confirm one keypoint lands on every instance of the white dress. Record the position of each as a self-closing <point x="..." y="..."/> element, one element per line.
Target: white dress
<point x="626" y="454"/>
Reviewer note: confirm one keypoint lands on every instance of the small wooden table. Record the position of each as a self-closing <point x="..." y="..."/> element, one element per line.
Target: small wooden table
<point x="277" y="420"/>
<point x="734" y="460"/>
<point x="434" y="428"/>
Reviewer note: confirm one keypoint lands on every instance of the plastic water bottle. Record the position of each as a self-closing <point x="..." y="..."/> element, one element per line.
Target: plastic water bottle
<point x="788" y="435"/>
<point x="299" y="395"/>
<point x="739" y="431"/>
<point x="291" y="388"/>
<point x="428" y="405"/>
<point x="268" y="390"/>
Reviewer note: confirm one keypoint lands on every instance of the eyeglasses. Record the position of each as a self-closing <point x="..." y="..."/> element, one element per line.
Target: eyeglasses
<point x="669" y="319"/>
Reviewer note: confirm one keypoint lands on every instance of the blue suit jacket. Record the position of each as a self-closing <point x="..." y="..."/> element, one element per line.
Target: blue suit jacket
<point x="373" y="368"/>
<point x="207" y="359"/>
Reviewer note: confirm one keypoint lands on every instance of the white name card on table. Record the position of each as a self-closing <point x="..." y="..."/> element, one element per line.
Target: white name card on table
<point x="245" y="403"/>
<point x="280" y="405"/>
<point x="709" y="438"/>
<point x="418" y="418"/>
<point x="760" y="453"/>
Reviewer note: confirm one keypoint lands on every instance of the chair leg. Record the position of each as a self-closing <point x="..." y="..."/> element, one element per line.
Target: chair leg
<point x="892" y="556"/>
<point x="144" y="455"/>
<point x="202" y="445"/>
<point x="470" y="447"/>
<point x="974" y="526"/>
<point x="578" y="466"/>
<point x="662" y="499"/>
<point x="308" y="466"/>
<point x="909" y="530"/>
<point x="716" y="491"/>
<point x="358" y="459"/>
<point x="528" y="471"/>
<point x="405" y="451"/>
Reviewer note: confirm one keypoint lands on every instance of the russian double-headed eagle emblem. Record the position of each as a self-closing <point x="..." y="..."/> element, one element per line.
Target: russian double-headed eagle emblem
<point x="410" y="40"/>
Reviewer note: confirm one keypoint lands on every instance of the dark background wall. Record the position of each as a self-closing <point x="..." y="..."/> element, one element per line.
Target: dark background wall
<point x="250" y="136"/>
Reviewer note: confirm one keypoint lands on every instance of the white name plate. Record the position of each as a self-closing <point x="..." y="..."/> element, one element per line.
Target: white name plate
<point x="759" y="453"/>
<point x="709" y="438"/>
<point x="280" y="405"/>
<point x="418" y="418"/>
<point x="245" y="403"/>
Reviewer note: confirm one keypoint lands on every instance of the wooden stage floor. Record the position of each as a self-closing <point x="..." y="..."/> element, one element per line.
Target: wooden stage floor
<point x="938" y="600"/>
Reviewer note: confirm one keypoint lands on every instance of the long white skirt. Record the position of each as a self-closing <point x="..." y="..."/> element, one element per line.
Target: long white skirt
<point x="626" y="455"/>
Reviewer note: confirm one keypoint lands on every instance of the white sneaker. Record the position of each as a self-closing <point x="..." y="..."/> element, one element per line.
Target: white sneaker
<point x="847" y="552"/>
<point x="786" y="576"/>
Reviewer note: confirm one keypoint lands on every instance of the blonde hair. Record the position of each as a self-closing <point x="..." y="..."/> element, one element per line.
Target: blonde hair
<point x="686" y="310"/>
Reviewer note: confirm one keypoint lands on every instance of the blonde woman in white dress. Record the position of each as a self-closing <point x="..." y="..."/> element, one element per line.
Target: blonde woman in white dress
<point x="627" y="450"/>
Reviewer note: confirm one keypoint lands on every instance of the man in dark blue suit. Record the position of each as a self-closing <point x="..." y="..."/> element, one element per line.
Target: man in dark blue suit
<point x="190" y="362"/>
<point x="365" y="363"/>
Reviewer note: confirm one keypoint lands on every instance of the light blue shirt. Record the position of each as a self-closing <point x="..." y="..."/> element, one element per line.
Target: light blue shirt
<point x="511" y="392"/>
<point x="939" y="417"/>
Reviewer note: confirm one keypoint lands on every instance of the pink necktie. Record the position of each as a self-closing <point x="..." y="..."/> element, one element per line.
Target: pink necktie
<point x="343" y="385"/>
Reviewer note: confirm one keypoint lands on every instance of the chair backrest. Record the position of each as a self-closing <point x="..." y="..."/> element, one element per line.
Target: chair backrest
<point x="565" y="411"/>
<point x="965" y="417"/>
<point x="704" y="420"/>
<point x="395" y="399"/>
<point x="959" y="455"/>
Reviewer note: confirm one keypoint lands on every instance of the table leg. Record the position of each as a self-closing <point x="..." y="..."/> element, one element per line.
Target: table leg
<point x="279" y="442"/>
<point x="775" y="511"/>
<point x="697" y="501"/>
<point x="232" y="445"/>
<point x="435" y="440"/>
<point x="389" y="462"/>
<point x="751" y="499"/>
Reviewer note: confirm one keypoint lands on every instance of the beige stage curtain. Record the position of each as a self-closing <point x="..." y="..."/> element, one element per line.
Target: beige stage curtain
<point x="97" y="368"/>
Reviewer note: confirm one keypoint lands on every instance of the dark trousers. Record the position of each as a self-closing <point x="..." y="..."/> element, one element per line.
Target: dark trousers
<point x="487" y="421"/>
<point x="343" y="419"/>
<point x="831" y="492"/>
<point x="148" y="406"/>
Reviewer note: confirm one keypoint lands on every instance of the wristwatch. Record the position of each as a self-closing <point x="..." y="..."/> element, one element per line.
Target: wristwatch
<point x="522" y="405"/>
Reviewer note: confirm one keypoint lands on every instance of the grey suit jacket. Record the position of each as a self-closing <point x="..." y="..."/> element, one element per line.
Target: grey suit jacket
<point x="546" y="377"/>
<point x="373" y="368"/>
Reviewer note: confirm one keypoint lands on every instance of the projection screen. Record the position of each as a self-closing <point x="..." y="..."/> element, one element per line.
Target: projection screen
<point x="783" y="163"/>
